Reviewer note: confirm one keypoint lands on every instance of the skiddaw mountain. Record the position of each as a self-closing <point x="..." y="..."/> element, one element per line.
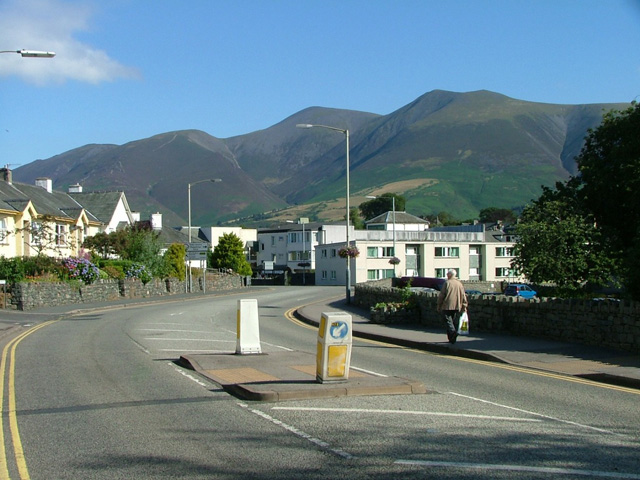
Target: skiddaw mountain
<point x="445" y="151"/>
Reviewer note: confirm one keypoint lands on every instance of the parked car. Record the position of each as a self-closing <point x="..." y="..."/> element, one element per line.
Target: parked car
<point x="519" y="290"/>
<point x="473" y="292"/>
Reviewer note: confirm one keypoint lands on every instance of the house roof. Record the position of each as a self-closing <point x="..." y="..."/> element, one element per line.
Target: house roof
<point x="100" y="204"/>
<point x="400" y="217"/>
<point x="16" y="196"/>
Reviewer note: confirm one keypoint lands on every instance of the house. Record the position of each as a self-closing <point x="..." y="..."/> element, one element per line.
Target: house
<point x="35" y="219"/>
<point x="473" y="251"/>
<point x="293" y="246"/>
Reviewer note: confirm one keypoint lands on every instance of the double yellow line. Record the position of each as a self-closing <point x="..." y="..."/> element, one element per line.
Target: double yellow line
<point x="9" y="356"/>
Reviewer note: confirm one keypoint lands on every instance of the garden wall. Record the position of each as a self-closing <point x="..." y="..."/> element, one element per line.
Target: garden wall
<point x="32" y="295"/>
<point x="607" y="323"/>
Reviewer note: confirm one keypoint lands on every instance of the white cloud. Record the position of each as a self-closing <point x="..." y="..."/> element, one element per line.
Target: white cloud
<point x="50" y="25"/>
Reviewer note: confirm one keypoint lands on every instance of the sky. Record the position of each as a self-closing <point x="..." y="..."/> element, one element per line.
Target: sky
<point x="125" y="70"/>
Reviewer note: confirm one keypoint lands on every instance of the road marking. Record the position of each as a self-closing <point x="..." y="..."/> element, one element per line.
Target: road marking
<point x="520" y="468"/>
<point x="537" y="414"/>
<point x="370" y="372"/>
<point x="316" y="441"/>
<point x="407" y="412"/>
<point x="9" y="352"/>
<point x="188" y="375"/>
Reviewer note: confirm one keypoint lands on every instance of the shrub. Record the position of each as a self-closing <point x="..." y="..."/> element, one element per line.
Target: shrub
<point x="80" y="269"/>
<point x="113" y="271"/>
<point x="137" y="270"/>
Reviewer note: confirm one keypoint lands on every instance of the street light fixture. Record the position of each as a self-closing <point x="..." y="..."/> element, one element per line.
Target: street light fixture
<point x="31" y="53"/>
<point x="346" y="134"/>
<point x="189" y="206"/>
<point x="393" y="207"/>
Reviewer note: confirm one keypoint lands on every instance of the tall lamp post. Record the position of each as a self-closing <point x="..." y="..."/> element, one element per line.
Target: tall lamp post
<point x="346" y="134"/>
<point x="189" y="206"/>
<point x="31" y="53"/>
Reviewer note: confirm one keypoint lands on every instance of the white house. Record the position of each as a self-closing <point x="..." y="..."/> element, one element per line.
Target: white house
<point x="288" y="245"/>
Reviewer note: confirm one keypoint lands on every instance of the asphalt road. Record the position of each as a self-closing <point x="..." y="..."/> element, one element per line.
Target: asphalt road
<point x="98" y="395"/>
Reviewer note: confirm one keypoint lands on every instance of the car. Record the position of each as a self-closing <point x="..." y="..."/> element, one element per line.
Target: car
<point x="473" y="292"/>
<point x="519" y="290"/>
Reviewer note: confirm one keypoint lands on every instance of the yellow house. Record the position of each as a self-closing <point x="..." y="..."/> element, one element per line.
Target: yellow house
<point x="34" y="220"/>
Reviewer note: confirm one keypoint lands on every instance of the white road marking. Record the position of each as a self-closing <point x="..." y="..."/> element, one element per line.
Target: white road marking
<point x="189" y="376"/>
<point x="555" y="419"/>
<point x="164" y="339"/>
<point x="368" y="371"/>
<point x="520" y="468"/>
<point x="316" y="441"/>
<point x="408" y="412"/>
<point x="171" y="330"/>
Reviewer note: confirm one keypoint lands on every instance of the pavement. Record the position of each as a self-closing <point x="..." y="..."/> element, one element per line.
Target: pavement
<point x="282" y="376"/>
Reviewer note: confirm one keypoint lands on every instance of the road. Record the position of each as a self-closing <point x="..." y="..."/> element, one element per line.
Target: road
<point x="98" y="395"/>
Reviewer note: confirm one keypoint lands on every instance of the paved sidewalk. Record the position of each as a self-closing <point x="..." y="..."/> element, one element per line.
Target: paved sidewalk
<point x="594" y="363"/>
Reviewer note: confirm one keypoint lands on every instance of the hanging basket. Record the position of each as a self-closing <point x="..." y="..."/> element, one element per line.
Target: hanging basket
<point x="348" y="252"/>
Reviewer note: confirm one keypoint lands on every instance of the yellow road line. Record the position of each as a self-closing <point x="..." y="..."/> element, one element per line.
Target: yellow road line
<point x="9" y="352"/>
<point x="531" y="371"/>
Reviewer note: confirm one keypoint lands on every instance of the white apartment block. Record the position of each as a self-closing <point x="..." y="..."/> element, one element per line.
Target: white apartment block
<point x="288" y="245"/>
<point x="473" y="251"/>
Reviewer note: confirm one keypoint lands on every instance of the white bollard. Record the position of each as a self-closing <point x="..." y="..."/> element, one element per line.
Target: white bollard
<point x="334" y="347"/>
<point x="248" y="328"/>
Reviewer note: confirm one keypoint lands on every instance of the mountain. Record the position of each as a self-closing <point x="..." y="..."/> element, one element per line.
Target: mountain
<point x="445" y="151"/>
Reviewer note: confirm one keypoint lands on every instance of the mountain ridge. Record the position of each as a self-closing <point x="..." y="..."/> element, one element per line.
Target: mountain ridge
<point x="451" y="151"/>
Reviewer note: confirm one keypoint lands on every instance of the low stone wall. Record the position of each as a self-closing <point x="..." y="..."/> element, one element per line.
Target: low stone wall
<point x="31" y="295"/>
<point x="607" y="323"/>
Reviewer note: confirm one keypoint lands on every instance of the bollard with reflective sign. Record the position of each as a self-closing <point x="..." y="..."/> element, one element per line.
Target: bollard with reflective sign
<point x="248" y="328"/>
<point x="334" y="347"/>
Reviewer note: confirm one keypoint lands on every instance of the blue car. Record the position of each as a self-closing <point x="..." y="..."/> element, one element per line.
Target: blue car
<point x="519" y="290"/>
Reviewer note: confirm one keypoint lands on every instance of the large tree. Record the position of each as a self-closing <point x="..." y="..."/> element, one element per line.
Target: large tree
<point x="609" y="165"/>
<point x="588" y="228"/>
<point x="382" y="204"/>
<point x="559" y="242"/>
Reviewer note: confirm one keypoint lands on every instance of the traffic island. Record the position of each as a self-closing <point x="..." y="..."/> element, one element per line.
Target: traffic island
<point x="283" y="376"/>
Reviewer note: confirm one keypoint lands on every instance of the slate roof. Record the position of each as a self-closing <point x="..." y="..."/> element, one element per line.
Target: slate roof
<point x="401" y="217"/>
<point x="100" y="204"/>
<point x="16" y="196"/>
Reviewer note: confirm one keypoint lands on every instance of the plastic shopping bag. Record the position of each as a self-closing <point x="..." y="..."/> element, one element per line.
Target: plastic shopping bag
<point x="463" y="325"/>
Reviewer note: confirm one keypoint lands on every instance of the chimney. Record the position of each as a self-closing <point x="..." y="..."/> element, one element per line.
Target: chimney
<point x="5" y="174"/>
<point x="156" y="221"/>
<point x="45" y="183"/>
<point x="77" y="188"/>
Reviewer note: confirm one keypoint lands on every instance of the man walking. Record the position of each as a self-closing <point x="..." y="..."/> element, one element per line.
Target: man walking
<point x="452" y="301"/>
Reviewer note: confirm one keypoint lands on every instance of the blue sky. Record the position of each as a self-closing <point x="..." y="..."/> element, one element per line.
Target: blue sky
<point x="130" y="69"/>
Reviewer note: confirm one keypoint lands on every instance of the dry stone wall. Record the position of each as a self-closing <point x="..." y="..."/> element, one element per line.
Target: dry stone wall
<point x="607" y="323"/>
<point x="33" y="295"/>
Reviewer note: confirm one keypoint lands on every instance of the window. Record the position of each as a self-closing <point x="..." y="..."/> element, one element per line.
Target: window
<point x="504" y="272"/>
<point x="379" y="274"/>
<point x="442" y="272"/>
<point x="474" y="250"/>
<point x="372" y="274"/>
<point x="333" y="252"/>
<point x="4" y="234"/>
<point x="377" y="252"/>
<point x="60" y="235"/>
<point x="333" y="275"/>
<point x="447" y="251"/>
<point x="273" y="240"/>
<point x="324" y="274"/>
<point x="504" y="251"/>
<point x="323" y="253"/>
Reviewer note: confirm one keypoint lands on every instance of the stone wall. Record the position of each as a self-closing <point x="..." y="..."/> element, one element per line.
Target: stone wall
<point x="608" y="323"/>
<point x="31" y="295"/>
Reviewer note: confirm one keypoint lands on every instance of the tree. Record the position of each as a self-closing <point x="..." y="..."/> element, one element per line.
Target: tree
<point x="356" y="219"/>
<point x="382" y="204"/>
<point x="229" y="253"/>
<point x="609" y="165"/>
<point x="494" y="214"/>
<point x="175" y="261"/>
<point x="559" y="242"/>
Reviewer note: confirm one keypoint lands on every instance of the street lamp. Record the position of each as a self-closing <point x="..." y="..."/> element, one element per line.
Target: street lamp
<point x="346" y="134"/>
<point x="31" y="53"/>
<point x="393" y="207"/>
<point x="189" y="206"/>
